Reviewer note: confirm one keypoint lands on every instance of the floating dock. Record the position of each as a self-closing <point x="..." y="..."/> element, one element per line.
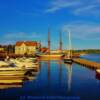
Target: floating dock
<point x="87" y="63"/>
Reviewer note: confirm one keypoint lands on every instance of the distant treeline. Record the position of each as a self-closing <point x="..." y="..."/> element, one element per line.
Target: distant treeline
<point x="88" y="51"/>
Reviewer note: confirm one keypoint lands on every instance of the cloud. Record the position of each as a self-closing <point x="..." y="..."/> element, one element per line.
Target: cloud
<point x="88" y="10"/>
<point x="88" y="31"/>
<point x="84" y="9"/>
<point x="60" y="4"/>
<point x="76" y="7"/>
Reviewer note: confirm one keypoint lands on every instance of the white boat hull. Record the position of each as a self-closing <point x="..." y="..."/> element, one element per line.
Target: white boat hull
<point x="11" y="81"/>
<point x="70" y="61"/>
<point x="10" y="73"/>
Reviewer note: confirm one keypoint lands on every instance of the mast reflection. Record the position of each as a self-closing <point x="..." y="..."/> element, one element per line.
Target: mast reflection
<point x="48" y="70"/>
<point x="60" y="70"/>
<point x="69" y="68"/>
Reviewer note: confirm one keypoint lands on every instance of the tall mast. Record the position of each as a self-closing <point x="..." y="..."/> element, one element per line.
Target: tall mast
<point x="49" y="40"/>
<point x="60" y="41"/>
<point x="70" y="46"/>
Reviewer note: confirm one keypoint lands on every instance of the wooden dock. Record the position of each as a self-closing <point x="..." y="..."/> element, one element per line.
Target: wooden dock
<point x="87" y="63"/>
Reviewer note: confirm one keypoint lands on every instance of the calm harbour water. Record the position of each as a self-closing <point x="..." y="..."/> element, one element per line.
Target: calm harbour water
<point x="58" y="79"/>
<point x="92" y="57"/>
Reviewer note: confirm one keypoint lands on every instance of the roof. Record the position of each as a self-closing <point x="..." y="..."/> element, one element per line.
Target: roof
<point x="27" y="43"/>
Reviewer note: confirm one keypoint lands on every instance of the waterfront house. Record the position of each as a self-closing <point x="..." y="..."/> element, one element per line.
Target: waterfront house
<point x="26" y="47"/>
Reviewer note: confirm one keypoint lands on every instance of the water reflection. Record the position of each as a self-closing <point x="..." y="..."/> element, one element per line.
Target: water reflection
<point x="59" y="73"/>
<point x="60" y="70"/>
<point x="59" y="63"/>
<point x="48" y="62"/>
<point x="69" y="69"/>
<point x="58" y="79"/>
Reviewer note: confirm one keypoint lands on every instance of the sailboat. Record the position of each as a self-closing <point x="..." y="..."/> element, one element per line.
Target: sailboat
<point x="68" y="57"/>
<point x="56" y="54"/>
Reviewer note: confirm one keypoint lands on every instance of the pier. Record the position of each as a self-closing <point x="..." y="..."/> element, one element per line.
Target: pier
<point x="87" y="63"/>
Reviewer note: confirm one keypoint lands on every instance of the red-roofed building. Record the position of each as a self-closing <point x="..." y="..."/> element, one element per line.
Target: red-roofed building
<point x="26" y="47"/>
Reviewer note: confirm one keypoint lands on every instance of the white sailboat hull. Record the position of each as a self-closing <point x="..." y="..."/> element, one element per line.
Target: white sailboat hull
<point x="12" y="73"/>
<point x="66" y="60"/>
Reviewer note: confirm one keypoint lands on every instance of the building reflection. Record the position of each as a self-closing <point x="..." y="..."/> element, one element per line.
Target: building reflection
<point x="69" y="68"/>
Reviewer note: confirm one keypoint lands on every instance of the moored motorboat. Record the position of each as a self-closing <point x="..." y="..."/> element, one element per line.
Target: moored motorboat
<point x="12" y="69"/>
<point x="12" y="73"/>
<point x="14" y="81"/>
<point x="3" y="63"/>
<point x="27" y="63"/>
<point x="3" y="77"/>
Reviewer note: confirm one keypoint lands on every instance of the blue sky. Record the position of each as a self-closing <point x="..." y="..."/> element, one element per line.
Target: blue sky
<point x="30" y="19"/>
